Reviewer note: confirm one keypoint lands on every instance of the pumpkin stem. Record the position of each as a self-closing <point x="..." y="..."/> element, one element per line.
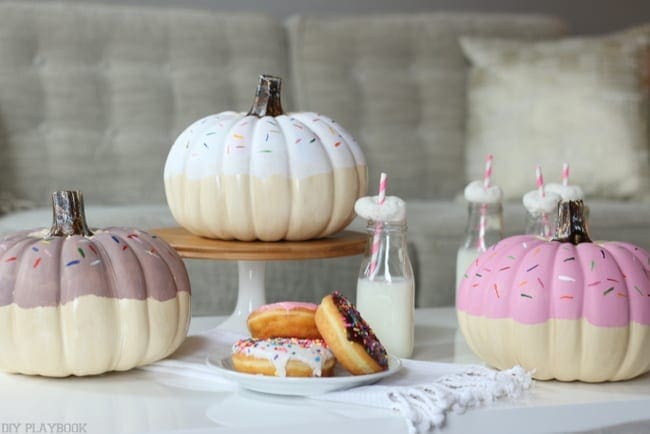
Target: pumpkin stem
<point x="267" y="97"/>
<point x="572" y="224"/>
<point x="69" y="217"/>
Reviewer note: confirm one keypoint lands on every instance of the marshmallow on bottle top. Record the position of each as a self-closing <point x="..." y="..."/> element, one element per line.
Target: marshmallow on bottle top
<point x="537" y="204"/>
<point x="392" y="210"/>
<point x="566" y="192"/>
<point x="477" y="193"/>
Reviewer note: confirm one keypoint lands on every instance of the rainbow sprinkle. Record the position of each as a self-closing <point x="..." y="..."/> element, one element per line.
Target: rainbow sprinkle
<point x="358" y="330"/>
<point x="608" y="290"/>
<point x="71" y="263"/>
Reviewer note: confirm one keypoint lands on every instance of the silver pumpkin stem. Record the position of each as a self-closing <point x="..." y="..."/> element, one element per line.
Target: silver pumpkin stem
<point x="572" y="224"/>
<point x="267" y="97"/>
<point x="68" y="216"/>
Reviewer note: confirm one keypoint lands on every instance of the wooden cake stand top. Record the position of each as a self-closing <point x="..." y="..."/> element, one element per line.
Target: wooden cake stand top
<point x="188" y="245"/>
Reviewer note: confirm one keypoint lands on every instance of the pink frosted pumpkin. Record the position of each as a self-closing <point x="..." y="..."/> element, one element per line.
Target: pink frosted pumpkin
<point x="570" y="309"/>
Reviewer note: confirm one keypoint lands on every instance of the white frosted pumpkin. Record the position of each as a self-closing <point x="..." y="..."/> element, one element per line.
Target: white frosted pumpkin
<point x="265" y="174"/>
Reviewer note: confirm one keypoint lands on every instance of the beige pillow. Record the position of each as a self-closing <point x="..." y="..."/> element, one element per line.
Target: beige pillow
<point x="578" y="100"/>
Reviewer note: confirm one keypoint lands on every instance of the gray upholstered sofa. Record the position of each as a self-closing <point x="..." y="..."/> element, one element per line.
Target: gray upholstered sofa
<point x="92" y="97"/>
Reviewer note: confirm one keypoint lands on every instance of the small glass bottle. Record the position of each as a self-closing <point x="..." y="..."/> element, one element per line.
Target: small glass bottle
<point x="540" y="224"/>
<point x="541" y="213"/>
<point x="386" y="287"/>
<point x="476" y="243"/>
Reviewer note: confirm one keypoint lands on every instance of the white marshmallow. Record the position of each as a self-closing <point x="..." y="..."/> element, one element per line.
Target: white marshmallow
<point x="477" y="193"/>
<point x="536" y="204"/>
<point x="393" y="209"/>
<point x="567" y="192"/>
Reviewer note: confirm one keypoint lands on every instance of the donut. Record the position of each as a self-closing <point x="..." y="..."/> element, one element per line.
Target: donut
<point x="349" y="337"/>
<point x="283" y="357"/>
<point x="289" y="319"/>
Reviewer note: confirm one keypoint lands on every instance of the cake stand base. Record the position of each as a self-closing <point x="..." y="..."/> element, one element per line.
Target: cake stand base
<point x="251" y="257"/>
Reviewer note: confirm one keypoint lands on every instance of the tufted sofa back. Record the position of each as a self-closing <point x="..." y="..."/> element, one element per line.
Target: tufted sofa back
<point x="398" y="83"/>
<point x="93" y="96"/>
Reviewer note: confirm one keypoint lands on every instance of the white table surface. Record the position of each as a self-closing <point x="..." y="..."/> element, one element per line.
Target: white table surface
<point x="139" y="401"/>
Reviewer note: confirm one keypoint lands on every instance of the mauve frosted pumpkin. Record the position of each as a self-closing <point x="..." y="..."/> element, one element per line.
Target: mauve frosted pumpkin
<point x="264" y="174"/>
<point x="569" y="308"/>
<point x="81" y="302"/>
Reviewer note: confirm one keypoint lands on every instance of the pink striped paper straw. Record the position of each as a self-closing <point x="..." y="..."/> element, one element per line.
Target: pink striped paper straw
<point x="542" y="193"/>
<point x="540" y="181"/>
<point x="487" y="178"/>
<point x="376" y="240"/>
<point x="381" y="198"/>
<point x="565" y="174"/>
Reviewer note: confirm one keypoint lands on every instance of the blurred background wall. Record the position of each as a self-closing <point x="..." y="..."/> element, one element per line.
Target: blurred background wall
<point x="583" y="16"/>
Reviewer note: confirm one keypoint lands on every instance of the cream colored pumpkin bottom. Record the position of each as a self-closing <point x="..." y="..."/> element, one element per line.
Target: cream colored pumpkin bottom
<point x="559" y="349"/>
<point x="274" y="208"/>
<point x="91" y="335"/>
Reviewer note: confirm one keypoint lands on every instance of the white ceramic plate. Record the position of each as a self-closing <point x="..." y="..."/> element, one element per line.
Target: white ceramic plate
<point x="298" y="385"/>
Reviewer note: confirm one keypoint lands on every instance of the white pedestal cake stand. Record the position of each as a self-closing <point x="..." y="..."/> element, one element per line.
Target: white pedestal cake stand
<point x="251" y="258"/>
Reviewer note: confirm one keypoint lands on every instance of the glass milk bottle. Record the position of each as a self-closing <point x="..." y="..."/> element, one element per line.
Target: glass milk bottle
<point x="386" y="288"/>
<point x="541" y="213"/>
<point x="479" y="236"/>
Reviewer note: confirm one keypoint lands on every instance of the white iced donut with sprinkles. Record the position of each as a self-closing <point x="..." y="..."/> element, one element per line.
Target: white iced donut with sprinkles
<point x="283" y="357"/>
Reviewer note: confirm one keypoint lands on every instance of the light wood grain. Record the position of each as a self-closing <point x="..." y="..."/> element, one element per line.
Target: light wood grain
<point x="188" y="245"/>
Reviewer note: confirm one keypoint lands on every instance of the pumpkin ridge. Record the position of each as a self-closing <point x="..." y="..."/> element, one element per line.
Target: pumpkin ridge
<point x="63" y="338"/>
<point x="234" y="206"/>
<point x="290" y="176"/>
<point x="264" y="217"/>
<point x="141" y="249"/>
<point x="317" y="131"/>
<point x="12" y="257"/>
<point x="217" y="227"/>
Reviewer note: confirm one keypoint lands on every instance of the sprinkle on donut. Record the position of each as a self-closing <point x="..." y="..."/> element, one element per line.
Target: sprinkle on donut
<point x="358" y="330"/>
<point x="313" y="353"/>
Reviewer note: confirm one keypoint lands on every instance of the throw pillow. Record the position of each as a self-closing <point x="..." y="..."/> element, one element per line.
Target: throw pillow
<point x="579" y="100"/>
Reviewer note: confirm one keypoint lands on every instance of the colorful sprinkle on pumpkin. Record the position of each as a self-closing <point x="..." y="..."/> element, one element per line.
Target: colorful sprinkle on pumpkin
<point x="607" y="291"/>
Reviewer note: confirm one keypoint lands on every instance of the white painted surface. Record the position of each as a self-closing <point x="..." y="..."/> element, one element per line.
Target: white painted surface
<point x="138" y="401"/>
